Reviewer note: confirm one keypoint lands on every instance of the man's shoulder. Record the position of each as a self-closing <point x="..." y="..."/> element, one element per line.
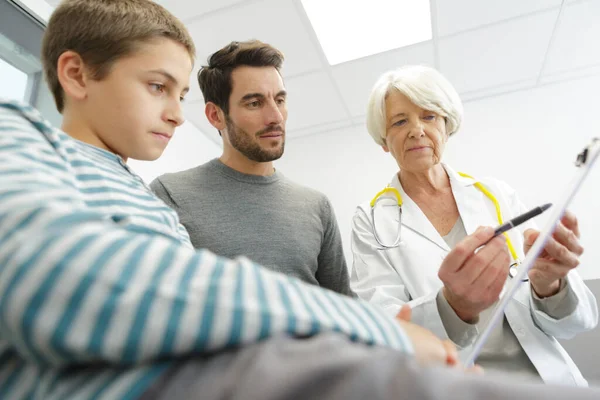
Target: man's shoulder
<point x="308" y="194"/>
<point x="173" y="180"/>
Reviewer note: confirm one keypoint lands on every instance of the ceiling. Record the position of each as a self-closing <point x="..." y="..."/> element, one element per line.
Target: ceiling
<point x="484" y="48"/>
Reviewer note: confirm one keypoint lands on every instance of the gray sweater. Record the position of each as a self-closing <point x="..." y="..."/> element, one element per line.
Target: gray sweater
<point x="279" y="224"/>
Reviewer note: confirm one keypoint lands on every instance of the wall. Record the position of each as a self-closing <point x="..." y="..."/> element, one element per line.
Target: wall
<point x="528" y="138"/>
<point x="188" y="148"/>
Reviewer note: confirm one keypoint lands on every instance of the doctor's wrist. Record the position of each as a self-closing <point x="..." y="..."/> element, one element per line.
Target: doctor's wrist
<point x="546" y="290"/>
<point x="464" y="312"/>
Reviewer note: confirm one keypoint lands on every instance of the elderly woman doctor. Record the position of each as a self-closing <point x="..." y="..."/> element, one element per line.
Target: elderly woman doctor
<point x="415" y="243"/>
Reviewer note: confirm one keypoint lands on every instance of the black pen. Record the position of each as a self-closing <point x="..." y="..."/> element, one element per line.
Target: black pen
<point x="520" y="219"/>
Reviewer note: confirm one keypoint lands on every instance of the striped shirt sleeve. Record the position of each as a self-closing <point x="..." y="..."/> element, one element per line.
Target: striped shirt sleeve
<point x="76" y="287"/>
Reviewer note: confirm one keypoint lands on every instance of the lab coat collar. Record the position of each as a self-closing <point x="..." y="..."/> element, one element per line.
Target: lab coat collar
<point x="414" y="219"/>
<point x="456" y="179"/>
<point x="470" y="202"/>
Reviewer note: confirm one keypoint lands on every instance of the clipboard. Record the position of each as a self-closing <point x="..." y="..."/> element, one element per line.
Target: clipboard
<point x="585" y="161"/>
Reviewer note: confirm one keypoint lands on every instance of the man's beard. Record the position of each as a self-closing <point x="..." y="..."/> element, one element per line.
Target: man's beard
<point x="242" y="141"/>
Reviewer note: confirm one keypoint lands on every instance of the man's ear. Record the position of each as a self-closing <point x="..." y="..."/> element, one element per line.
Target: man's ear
<point x="215" y="116"/>
<point x="73" y="75"/>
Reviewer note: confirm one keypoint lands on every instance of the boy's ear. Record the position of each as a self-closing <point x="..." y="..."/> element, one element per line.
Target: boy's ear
<point x="72" y="75"/>
<point x="215" y="116"/>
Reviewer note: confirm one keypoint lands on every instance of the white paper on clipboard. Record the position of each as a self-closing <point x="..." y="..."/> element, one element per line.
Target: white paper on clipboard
<point x="585" y="161"/>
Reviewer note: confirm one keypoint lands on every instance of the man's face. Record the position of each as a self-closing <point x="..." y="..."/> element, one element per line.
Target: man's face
<point x="257" y="113"/>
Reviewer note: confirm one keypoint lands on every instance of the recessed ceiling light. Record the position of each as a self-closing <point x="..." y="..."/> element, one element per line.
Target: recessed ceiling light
<point x="351" y="29"/>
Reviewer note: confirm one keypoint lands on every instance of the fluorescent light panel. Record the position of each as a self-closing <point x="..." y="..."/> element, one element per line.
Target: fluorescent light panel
<point x="351" y="29"/>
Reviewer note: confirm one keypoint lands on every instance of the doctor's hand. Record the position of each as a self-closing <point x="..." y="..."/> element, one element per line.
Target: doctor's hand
<point x="473" y="279"/>
<point x="560" y="255"/>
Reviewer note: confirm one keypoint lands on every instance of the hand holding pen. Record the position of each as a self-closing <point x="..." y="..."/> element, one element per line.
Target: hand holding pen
<point x="475" y="271"/>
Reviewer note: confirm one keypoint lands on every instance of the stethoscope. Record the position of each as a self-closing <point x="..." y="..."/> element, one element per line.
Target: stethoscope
<point x="513" y="267"/>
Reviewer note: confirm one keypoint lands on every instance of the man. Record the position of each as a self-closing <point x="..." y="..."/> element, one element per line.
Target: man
<point x="239" y="204"/>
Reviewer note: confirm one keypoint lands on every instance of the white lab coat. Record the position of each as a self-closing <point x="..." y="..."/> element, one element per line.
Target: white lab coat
<point x="409" y="273"/>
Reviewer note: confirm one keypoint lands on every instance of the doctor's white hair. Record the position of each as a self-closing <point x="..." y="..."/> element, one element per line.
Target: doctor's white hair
<point x="425" y="87"/>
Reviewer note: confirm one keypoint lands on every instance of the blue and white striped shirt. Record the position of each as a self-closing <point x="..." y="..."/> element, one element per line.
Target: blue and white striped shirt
<point x="101" y="290"/>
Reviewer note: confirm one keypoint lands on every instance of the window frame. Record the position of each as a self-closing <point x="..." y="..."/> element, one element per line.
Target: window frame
<point x="25" y="32"/>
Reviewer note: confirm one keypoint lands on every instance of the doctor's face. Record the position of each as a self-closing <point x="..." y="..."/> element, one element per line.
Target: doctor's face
<point x="415" y="137"/>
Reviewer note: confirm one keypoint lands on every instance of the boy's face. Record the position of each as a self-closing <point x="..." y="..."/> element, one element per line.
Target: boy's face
<point x="135" y="109"/>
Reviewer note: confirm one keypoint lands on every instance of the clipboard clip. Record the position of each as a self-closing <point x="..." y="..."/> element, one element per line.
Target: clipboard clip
<point x="583" y="157"/>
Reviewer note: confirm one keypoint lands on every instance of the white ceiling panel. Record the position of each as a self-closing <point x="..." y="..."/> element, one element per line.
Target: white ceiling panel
<point x="459" y="15"/>
<point x="576" y="42"/>
<point x="571" y="74"/>
<point x="186" y="10"/>
<point x="312" y="101"/>
<point x="273" y="21"/>
<point x="498" y="90"/>
<point x="355" y="79"/>
<point x="500" y="54"/>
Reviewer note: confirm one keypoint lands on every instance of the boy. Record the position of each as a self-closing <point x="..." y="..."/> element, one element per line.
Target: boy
<point x="100" y="289"/>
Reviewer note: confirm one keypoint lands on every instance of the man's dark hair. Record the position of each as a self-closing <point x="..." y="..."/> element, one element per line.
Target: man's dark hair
<point x="215" y="78"/>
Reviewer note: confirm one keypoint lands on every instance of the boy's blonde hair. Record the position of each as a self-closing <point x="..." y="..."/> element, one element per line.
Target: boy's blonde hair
<point x="103" y="31"/>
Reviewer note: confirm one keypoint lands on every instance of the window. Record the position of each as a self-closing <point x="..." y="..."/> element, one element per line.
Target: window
<point x="13" y="82"/>
<point x="19" y="71"/>
<point x="21" y="31"/>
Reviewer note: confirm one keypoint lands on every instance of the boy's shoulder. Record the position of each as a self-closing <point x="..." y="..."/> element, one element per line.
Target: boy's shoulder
<point x="20" y="118"/>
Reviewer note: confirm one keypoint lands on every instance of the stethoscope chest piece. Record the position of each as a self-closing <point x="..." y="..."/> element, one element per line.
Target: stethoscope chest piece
<point x="512" y="271"/>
